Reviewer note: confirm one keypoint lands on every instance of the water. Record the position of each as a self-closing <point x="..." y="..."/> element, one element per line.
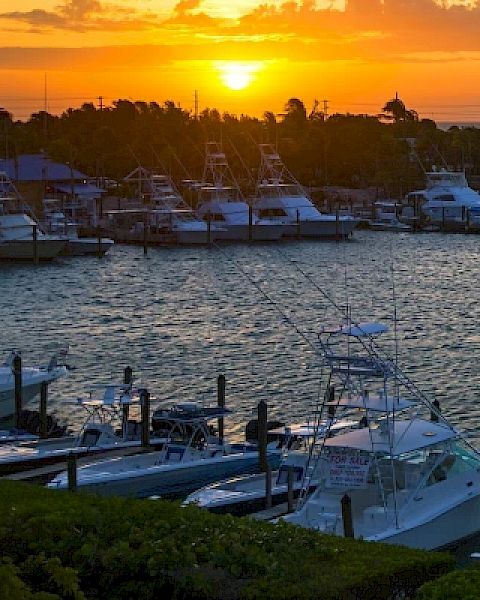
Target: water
<point x="182" y="316"/>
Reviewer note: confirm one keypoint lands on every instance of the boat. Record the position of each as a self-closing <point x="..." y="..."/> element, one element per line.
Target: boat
<point x="280" y="198"/>
<point x="447" y="203"/>
<point x="32" y="379"/>
<point x="168" y="211"/>
<point x="56" y="222"/>
<point x="386" y="217"/>
<point x="246" y="494"/>
<point x="190" y="458"/>
<point x="221" y="203"/>
<point x="406" y="475"/>
<point x="21" y="237"/>
<point x="108" y="428"/>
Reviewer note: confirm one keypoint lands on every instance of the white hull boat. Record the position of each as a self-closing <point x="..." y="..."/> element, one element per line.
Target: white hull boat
<point x="190" y="458"/>
<point x="98" y="436"/>
<point x="24" y="249"/>
<point x="32" y="379"/>
<point x="221" y="203"/>
<point x="401" y="477"/>
<point x="247" y="493"/>
<point x="56" y="223"/>
<point x="282" y="200"/>
<point x="447" y="203"/>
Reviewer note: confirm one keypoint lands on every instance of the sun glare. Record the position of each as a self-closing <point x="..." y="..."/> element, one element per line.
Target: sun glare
<point x="237" y="75"/>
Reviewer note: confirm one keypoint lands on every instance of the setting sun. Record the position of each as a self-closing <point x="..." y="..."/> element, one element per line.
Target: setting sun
<point x="237" y="75"/>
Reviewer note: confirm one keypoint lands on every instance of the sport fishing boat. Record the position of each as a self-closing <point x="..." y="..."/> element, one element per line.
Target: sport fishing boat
<point x="56" y="222"/>
<point x="280" y="198"/>
<point x="168" y="211"/>
<point x="386" y="217"/>
<point x="191" y="457"/>
<point x="108" y="427"/>
<point x="245" y="494"/>
<point x="447" y="203"/>
<point x="406" y="475"/>
<point x="21" y="237"/>
<point x="222" y="204"/>
<point x="32" y="379"/>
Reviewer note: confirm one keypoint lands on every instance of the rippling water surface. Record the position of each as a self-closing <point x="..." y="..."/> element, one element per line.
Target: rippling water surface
<point x="181" y="316"/>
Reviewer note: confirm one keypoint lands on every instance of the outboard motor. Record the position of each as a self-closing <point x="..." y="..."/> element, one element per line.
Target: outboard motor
<point x="251" y="431"/>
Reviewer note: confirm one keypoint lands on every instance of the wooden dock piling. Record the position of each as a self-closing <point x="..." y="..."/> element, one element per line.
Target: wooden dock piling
<point x="268" y="487"/>
<point x="290" y="489"/>
<point x="17" y="376"/>
<point x="72" y="472"/>
<point x="262" y="411"/>
<point x="145" y="408"/>
<point x="347" y="516"/>
<point x="43" y="409"/>
<point x="221" y="404"/>
<point x="299" y="233"/>
<point x="35" y="244"/>
<point x="250" y="223"/>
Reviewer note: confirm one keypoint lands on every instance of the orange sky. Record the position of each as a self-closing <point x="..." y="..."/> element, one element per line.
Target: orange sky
<point x="243" y="55"/>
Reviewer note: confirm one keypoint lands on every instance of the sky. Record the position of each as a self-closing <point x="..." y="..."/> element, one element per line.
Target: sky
<point x="243" y="56"/>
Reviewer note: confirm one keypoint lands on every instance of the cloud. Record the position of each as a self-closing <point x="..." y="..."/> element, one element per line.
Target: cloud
<point x="301" y="29"/>
<point x="83" y="15"/>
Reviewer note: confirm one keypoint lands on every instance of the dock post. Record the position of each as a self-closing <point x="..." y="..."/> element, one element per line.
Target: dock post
<point x="468" y="220"/>
<point x="127" y="380"/>
<point x="43" y="409"/>
<point x="443" y="218"/>
<point x="337" y="223"/>
<point x="35" y="244"/>
<point x="221" y="404"/>
<point x="268" y="487"/>
<point x="209" y="228"/>
<point x="347" y="516"/>
<point x="290" y="489"/>
<point x="299" y="233"/>
<point x="434" y="413"/>
<point x="99" y="243"/>
<point x="145" y="233"/>
<point x="72" y="472"/>
<point x="250" y="223"/>
<point x="17" y="377"/>
<point x="145" y="406"/>
<point x="262" y="435"/>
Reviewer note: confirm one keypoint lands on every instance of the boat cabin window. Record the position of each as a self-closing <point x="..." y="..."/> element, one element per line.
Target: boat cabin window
<point x="216" y="217"/>
<point x="445" y="198"/>
<point x="282" y="478"/>
<point x="271" y="212"/>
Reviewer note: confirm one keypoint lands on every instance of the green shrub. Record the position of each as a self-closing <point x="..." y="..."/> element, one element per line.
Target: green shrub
<point x="463" y="584"/>
<point x="77" y="546"/>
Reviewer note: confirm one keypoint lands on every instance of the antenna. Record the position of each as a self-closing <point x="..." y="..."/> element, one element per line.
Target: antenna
<point x="45" y="105"/>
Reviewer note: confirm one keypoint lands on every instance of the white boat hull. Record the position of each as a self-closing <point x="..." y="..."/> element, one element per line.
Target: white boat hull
<point x="323" y="228"/>
<point x="87" y="246"/>
<point x="241" y="233"/>
<point x="447" y="529"/>
<point x="47" y="249"/>
<point x="166" y="480"/>
<point x="7" y="399"/>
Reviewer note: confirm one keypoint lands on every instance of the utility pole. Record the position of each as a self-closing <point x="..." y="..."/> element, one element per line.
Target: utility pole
<point x="100" y="102"/>
<point x="45" y="106"/>
<point x="325" y="107"/>
<point x="196" y="105"/>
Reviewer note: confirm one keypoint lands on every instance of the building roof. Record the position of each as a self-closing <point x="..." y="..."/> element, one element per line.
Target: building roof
<point x="38" y="167"/>
<point x="79" y="189"/>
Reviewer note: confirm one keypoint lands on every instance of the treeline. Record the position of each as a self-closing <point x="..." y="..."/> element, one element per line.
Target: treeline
<point x="386" y="151"/>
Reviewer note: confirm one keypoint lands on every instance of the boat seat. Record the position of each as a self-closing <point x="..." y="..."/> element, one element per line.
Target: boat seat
<point x="174" y="453"/>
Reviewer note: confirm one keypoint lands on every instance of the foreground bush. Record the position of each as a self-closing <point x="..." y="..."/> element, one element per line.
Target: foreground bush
<point x="61" y="545"/>
<point x="460" y="585"/>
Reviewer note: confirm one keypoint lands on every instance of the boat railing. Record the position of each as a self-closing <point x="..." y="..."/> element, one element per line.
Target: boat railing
<point x="357" y="365"/>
